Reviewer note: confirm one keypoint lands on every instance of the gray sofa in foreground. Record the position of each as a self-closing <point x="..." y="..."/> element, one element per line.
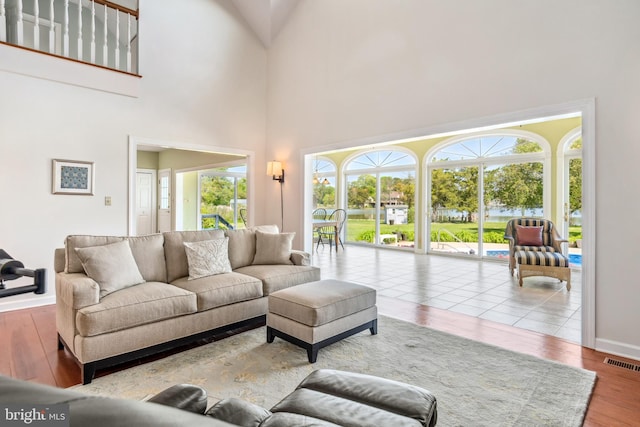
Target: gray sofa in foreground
<point x="122" y="298"/>
<point x="326" y="398"/>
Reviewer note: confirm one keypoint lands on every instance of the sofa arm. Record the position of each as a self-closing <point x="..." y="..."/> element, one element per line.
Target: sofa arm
<point x="237" y="411"/>
<point x="59" y="257"/>
<point x="183" y="396"/>
<point x="300" y="258"/>
<point x="77" y="290"/>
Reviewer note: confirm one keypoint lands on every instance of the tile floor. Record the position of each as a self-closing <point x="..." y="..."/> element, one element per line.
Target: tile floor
<point x="475" y="288"/>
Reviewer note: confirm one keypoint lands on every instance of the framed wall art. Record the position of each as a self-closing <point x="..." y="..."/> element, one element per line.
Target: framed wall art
<point x="73" y="177"/>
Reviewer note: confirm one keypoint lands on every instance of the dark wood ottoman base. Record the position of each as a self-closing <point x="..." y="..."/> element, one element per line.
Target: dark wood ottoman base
<point x="312" y="349"/>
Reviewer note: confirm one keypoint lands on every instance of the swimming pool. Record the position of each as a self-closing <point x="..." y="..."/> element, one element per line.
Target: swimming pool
<point x="575" y="259"/>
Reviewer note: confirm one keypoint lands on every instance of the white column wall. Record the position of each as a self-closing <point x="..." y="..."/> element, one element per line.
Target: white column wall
<point x="345" y="72"/>
<point x="204" y="83"/>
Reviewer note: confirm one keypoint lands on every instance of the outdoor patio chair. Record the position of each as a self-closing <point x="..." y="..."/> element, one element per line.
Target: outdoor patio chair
<point x="338" y="216"/>
<point x="319" y="214"/>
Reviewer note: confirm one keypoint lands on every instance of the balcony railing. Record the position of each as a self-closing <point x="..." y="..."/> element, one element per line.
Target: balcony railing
<point x="99" y="32"/>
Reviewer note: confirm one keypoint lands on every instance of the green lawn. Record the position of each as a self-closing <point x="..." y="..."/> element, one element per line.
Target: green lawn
<point x="357" y="229"/>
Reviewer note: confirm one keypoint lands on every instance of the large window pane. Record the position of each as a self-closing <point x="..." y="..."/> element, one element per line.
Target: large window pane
<point x="223" y="192"/>
<point x="454" y="210"/>
<point x="361" y="211"/>
<point x="511" y="185"/>
<point x="574" y="211"/>
<point x="381" y="201"/>
<point x="324" y="184"/>
<point x="510" y="191"/>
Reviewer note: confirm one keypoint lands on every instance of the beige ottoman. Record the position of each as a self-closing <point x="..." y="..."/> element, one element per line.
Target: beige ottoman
<point x="316" y="314"/>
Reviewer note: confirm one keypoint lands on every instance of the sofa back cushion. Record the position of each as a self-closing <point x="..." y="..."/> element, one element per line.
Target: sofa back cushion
<point x="174" y="252"/>
<point x="242" y="244"/>
<point x="112" y="266"/>
<point x="148" y="251"/>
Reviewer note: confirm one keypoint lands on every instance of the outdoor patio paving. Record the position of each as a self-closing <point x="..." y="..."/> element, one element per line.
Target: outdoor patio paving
<point x="469" y="286"/>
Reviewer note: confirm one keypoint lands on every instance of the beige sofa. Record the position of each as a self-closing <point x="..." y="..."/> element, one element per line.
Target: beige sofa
<point x="122" y="298"/>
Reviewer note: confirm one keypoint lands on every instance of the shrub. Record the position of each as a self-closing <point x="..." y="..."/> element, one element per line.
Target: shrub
<point x="493" y="237"/>
<point x="366" y="236"/>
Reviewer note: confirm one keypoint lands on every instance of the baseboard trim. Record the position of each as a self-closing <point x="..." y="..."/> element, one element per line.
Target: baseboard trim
<point x="618" y="348"/>
<point x="27" y="303"/>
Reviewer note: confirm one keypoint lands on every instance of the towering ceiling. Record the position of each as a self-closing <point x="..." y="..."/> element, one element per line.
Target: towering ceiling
<point x="265" y="17"/>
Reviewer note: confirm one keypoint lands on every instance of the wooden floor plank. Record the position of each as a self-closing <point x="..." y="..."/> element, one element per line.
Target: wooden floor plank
<point x="29" y="361"/>
<point x="5" y="348"/>
<point x="31" y="353"/>
<point x="64" y="369"/>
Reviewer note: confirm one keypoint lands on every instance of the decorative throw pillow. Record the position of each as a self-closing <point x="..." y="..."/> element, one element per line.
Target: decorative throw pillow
<point x="529" y="236"/>
<point x="208" y="257"/>
<point x="242" y="244"/>
<point x="273" y="248"/>
<point x="112" y="266"/>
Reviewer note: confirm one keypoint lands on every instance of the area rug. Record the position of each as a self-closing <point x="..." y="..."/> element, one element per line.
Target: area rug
<point x="475" y="384"/>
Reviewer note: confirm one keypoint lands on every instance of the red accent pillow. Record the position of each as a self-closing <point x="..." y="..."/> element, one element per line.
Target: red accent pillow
<point x="529" y="236"/>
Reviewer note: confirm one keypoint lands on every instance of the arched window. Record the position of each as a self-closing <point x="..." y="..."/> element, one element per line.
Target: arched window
<point x="324" y="183"/>
<point x="380" y="197"/>
<point x="570" y="194"/>
<point x="477" y="183"/>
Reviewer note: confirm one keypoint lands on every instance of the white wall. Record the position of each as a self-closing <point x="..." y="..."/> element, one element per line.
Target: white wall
<point x="204" y="83"/>
<point x="348" y="71"/>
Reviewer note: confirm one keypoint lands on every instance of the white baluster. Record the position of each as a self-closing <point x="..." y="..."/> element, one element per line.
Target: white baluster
<point x="19" y="25"/>
<point x="105" y="47"/>
<point x="93" y="31"/>
<point x="65" y="38"/>
<point x="80" y="48"/>
<point x="36" y="27"/>
<point x="3" y="23"/>
<point x="117" y="63"/>
<point x="52" y="30"/>
<point x="128" y="43"/>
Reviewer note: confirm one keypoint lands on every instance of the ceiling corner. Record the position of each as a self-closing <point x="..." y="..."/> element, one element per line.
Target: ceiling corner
<point x="266" y="17"/>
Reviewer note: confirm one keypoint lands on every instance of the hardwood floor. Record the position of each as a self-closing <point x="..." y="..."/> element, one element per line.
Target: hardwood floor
<point x="30" y="352"/>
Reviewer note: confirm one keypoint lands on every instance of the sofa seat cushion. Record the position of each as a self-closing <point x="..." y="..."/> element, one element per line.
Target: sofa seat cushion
<point x="221" y="289"/>
<point x="318" y="303"/>
<point x="276" y="277"/>
<point x="138" y="305"/>
<point x="517" y="248"/>
<point x="337" y="410"/>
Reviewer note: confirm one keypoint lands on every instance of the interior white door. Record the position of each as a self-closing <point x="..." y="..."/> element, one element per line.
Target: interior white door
<point x="164" y="205"/>
<point x="145" y="202"/>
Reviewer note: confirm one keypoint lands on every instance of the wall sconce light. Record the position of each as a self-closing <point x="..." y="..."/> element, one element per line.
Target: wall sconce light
<point x="274" y="169"/>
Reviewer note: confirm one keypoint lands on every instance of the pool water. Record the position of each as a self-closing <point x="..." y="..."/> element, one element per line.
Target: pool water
<point x="575" y="259"/>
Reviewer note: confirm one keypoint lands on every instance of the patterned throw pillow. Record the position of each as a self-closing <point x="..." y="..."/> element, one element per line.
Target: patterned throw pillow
<point x="208" y="257"/>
